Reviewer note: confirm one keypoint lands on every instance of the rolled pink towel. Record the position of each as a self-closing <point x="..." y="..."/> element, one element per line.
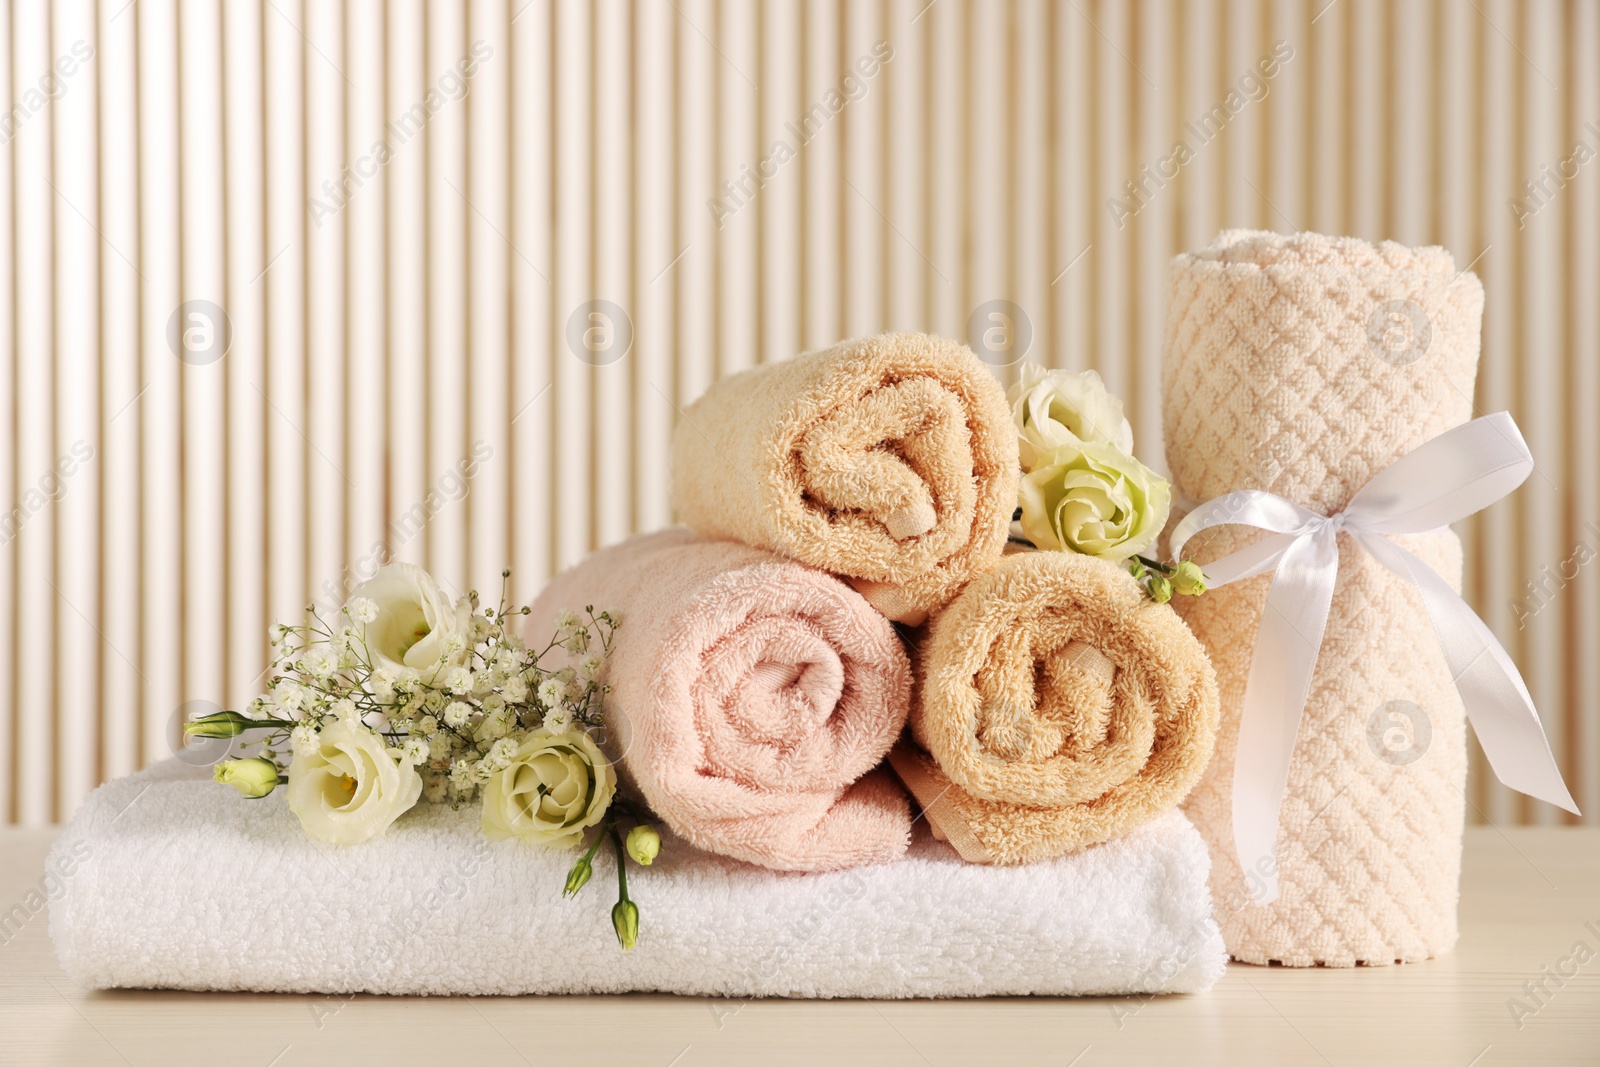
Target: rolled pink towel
<point x="752" y="698"/>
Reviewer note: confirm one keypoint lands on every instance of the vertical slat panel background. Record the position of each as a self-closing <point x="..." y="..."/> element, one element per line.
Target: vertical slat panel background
<point x="405" y="210"/>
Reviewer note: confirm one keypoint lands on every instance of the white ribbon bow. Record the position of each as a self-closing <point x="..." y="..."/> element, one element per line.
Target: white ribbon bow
<point x="1450" y="477"/>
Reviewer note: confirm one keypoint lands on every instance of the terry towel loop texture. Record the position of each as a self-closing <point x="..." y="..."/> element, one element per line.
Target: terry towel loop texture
<point x="1057" y="707"/>
<point x="1303" y="365"/>
<point x="751" y="698"/>
<point x="181" y="884"/>
<point x="890" y="461"/>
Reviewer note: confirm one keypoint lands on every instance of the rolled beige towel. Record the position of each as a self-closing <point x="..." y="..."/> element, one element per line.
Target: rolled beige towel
<point x="752" y="698"/>
<point x="890" y="461"/>
<point x="1057" y="706"/>
<point x="1304" y="365"/>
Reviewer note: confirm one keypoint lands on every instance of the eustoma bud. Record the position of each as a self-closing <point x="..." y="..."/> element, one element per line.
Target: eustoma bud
<point x="625" y="919"/>
<point x="253" y="778"/>
<point x="228" y="724"/>
<point x="644" y="844"/>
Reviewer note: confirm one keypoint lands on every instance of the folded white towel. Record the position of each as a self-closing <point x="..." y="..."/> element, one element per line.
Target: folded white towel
<point x="172" y="881"/>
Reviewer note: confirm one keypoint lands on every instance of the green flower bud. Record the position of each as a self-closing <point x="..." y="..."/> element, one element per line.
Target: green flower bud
<point x="253" y="778"/>
<point x="644" y="844"/>
<point x="578" y="877"/>
<point x="1160" y="588"/>
<point x="1189" y="579"/>
<point x="625" y="919"/>
<point x="219" y="724"/>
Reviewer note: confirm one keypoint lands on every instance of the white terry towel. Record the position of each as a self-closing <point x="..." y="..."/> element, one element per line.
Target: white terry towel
<point x="179" y="883"/>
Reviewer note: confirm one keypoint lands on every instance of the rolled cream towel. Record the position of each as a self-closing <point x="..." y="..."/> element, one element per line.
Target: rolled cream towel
<point x="1057" y="706"/>
<point x="752" y="697"/>
<point x="890" y="461"/>
<point x="1303" y="366"/>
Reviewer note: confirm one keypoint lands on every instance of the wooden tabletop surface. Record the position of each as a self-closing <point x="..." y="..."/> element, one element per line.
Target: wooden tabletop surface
<point x="1530" y="908"/>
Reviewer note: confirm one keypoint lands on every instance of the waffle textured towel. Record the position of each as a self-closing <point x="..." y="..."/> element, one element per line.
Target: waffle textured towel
<point x="750" y="695"/>
<point x="1303" y="365"/>
<point x="890" y="461"/>
<point x="1060" y="707"/>
<point x="179" y="883"/>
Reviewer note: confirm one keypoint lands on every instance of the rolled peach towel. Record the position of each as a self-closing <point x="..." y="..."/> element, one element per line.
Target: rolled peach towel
<point x="752" y="697"/>
<point x="1057" y="706"/>
<point x="890" y="461"/>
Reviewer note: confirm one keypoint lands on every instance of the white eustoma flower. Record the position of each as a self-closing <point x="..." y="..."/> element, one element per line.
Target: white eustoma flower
<point x="1052" y="408"/>
<point x="416" y="626"/>
<point x="554" y="788"/>
<point x="349" y="785"/>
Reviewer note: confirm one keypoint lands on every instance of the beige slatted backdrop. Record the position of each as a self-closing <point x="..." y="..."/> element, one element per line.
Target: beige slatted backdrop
<point x="408" y="211"/>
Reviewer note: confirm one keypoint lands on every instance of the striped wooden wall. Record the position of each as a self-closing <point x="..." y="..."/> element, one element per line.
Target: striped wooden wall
<point x="466" y="261"/>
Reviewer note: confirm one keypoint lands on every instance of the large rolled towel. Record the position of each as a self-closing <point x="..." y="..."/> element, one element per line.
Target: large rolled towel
<point x="751" y="697"/>
<point x="1057" y="707"/>
<point x="1303" y="366"/>
<point x="890" y="461"/>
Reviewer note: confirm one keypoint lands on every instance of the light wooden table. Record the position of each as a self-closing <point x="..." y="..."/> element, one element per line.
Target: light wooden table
<point x="1529" y="897"/>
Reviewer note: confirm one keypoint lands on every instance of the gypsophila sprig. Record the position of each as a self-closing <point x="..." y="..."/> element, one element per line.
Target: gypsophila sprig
<point x="408" y="694"/>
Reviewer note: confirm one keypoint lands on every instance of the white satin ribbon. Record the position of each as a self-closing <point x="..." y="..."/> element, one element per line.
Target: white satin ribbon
<point x="1450" y="477"/>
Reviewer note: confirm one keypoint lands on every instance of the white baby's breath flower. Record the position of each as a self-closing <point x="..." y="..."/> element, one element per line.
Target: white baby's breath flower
<point x="499" y="756"/>
<point x="303" y="738"/>
<point x="492" y="703"/>
<point x="464" y="772"/>
<point x="567" y="622"/>
<point x="427" y="725"/>
<point x="380" y="683"/>
<point x="290" y="695"/>
<point x="590" y="666"/>
<point x="415" y="750"/>
<point x="458" y="714"/>
<point x="493" y="727"/>
<point x="434" y="700"/>
<point x="440" y="746"/>
<point x="344" y="709"/>
<point x="319" y="661"/>
<point x="433" y="787"/>
<point x="458" y="681"/>
<point x="557" y="721"/>
<point x="552" y="691"/>
<point x="515" y="688"/>
<point x="363" y="609"/>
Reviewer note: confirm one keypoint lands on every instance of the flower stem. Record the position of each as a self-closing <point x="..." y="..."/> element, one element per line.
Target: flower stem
<point x="609" y="826"/>
<point x="622" y="866"/>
